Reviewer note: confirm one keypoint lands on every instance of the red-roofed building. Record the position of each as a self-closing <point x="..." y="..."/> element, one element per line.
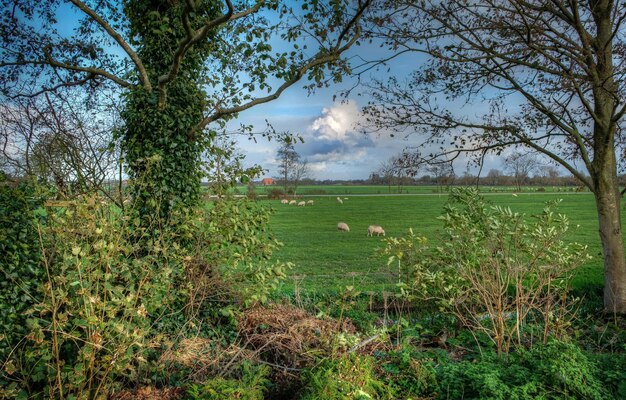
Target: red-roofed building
<point x="267" y="181"/>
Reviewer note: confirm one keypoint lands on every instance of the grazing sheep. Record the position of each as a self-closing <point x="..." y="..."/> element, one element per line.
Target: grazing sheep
<point x="310" y="202"/>
<point x="292" y="202"/>
<point x="302" y="204"/>
<point x="375" y="229"/>
<point x="339" y="200"/>
<point x="342" y="226"/>
<point x="284" y="201"/>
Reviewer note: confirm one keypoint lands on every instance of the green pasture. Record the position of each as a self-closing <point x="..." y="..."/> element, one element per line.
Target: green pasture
<point x="328" y="260"/>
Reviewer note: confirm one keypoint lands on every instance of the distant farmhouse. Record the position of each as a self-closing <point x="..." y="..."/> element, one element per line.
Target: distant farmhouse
<point x="267" y="181"/>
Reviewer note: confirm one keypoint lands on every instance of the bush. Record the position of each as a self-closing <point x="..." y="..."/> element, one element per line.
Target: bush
<point x="613" y="376"/>
<point x="349" y="377"/>
<point x="101" y="292"/>
<point x="554" y="371"/>
<point x="250" y="386"/>
<point x="275" y="194"/>
<point x="112" y="291"/>
<point x="21" y="212"/>
<point x="411" y="373"/>
<point x="495" y="271"/>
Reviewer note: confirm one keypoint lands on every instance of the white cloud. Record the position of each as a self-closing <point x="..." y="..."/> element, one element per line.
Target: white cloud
<point x="337" y="122"/>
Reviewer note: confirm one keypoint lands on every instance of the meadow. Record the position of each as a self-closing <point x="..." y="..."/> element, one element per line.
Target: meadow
<point x="328" y="260"/>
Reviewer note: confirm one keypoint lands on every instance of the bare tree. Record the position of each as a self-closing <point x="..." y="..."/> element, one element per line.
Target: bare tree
<point x="550" y="174"/>
<point x="60" y="142"/>
<point x="553" y="74"/>
<point x="291" y="168"/>
<point x="494" y="177"/>
<point x="521" y="166"/>
<point x="386" y="173"/>
<point x="443" y="173"/>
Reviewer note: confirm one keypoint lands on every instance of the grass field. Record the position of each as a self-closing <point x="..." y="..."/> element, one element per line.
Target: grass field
<point x="328" y="260"/>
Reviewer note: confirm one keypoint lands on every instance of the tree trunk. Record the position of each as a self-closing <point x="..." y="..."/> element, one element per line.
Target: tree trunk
<point x="608" y="206"/>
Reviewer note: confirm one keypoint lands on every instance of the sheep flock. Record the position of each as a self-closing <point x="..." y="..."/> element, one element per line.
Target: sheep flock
<point x="341" y="226"/>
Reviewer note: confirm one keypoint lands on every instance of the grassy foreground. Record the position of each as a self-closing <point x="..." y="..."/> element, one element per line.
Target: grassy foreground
<point x="328" y="260"/>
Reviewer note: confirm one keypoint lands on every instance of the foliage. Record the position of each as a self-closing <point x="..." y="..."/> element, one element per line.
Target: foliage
<point x="233" y="238"/>
<point x="21" y="212"/>
<point x="494" y="270"/>
<point x="556" y="370"/>
<point x="410" y="373"/>
<point x="114" y="291"/>
<point x="275" y="193"/>
<point x="347" y="377"/>
<point x="613" y="372"/>
<point x="250" y="386"/>
<point x="101" y="296"/>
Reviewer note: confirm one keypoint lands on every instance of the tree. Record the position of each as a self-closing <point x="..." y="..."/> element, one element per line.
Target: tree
<point x="183" y="68"/>
<point x="443" y="173"/>
<point x="291" y="168"/>
<point x="521" y="165"/>
<point x="553" y="74"/>
<point x="494" y="177"/>
<point x="550" y="174"/>
<point x="59" y="142"/>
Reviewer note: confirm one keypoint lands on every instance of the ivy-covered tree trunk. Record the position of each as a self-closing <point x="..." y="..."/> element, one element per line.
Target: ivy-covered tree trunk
<point x="162" y="157"/>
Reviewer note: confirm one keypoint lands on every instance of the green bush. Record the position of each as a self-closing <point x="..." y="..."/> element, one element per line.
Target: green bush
<point x="411" y="373"/>
<point x="101" y="295"/>
<point x="275" y="194"/>
<point x="554" y="371"/>
<point x="250" y="386"/>
<point x="495" y="270"/>
<point x="613" y="375"/>
<point x="21" y="210"/>
<point x="349" y="377"/>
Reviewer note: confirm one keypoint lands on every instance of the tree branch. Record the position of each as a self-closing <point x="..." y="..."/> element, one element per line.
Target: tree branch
<point x="143" y="74"/>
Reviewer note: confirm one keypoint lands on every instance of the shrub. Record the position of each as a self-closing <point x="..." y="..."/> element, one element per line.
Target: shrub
<point x="495" y="270"/>
<point x="101" y="292"/>
<point x="410" y="373"/>
<point x="613" y="376"/>
<point x="348" y="377"/>
<point x="250" y="386"/>
<point x="554" y="371"/>
<point x="21" y="212"/>
<point x="275" y="194"/>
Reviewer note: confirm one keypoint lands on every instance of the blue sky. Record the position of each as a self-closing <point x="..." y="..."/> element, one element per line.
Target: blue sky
<point x="333" y="147"/>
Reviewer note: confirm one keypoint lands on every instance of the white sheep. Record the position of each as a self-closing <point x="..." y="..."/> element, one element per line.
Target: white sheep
<point x="302" y="204"/>
<point x="339" y="200"/>
<point x="342" y="226"/>
<point x="310" y="202"/>
<point x="375" y="229"/>
<point x="284" y="201"/>
<point x="292" y="202"/>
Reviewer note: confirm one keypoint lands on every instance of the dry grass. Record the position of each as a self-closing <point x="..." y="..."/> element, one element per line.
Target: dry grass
<point x="290" y="337"/>
<point x="150" y="393"/>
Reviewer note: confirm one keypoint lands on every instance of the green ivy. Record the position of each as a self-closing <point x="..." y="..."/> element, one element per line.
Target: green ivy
<point x="21" y="208"/>
<point x="162" y="154"/>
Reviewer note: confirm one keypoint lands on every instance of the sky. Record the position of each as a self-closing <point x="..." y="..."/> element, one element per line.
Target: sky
<point x="333" y="145"/>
